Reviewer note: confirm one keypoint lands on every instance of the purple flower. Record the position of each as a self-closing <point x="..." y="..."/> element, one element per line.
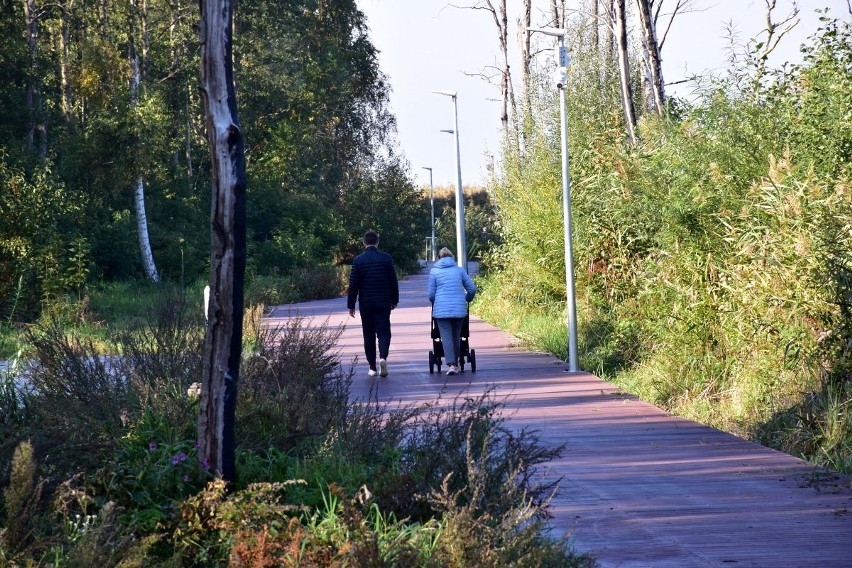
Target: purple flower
<point x="197" y="444"/>
<point x="182" y="457"/>
<point x="152" y="447"/>
<point x="175" y="459"/>
<point x="185" y="478"/>
<point x="204" y="463"/>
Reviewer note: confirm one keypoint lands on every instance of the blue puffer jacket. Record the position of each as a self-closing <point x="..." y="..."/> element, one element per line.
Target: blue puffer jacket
<point x="450" y="288"/>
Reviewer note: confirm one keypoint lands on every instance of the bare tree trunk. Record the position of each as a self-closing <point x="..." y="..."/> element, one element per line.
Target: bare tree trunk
<point x="524" y="40"/>
<point x="139" y="186"/>
<point x="596" y="35"/>
<point x="222" y="344"/>
<point x="63" y="40"/>
<point x="146" y="41"/>
<point x="610" y="31"/>
<point x="507" y="95"/>
<point x="653" y="61"/>
<point x="35" y="126"/>
<point x="557" y="13"/>
<point x="175" y="7"/>
<point x="188" y="139"/>
<point x="32" y="39"/>
<point x="624" y="70"/>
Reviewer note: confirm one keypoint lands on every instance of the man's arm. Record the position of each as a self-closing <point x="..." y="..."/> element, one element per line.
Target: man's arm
<point x="394" y="286"/>
<point x="354" y="285"/>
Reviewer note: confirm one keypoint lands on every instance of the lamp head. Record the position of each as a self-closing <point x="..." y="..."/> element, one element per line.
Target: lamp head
<point x="556" y="32"/>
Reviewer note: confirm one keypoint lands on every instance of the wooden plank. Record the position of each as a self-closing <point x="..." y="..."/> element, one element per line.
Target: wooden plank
<point x="640" y="488"/>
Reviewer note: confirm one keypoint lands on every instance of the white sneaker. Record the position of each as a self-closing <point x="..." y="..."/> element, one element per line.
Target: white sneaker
<point x="371" y="373"/>
<point x="383" y="368"/>
<point x="451" y="370"/>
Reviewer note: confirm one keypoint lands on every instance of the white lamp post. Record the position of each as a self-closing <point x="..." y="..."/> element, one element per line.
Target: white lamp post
<point x="432" y="205"/>
<point x="461" y="246"/>
<point x="561" y="78"/>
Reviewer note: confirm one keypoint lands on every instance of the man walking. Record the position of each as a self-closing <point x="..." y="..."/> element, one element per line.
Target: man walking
<point x="373" y="283"/>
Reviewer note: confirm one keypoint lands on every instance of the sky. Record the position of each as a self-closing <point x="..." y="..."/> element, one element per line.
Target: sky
<point x="430" y="45"/>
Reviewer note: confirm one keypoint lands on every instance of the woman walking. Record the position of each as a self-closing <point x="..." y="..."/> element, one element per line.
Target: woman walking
<point x="450" y="290"/>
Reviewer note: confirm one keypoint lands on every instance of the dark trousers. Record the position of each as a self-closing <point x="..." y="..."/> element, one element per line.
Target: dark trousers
<point x="375" y="323"/>
<point x="450" y="329"/>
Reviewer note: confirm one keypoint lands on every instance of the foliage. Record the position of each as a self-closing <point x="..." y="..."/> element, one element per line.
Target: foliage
<point x="711" y="260"/>
<point x="322" y="166"/>
<point x="293" y="391"/>
<point x="479" y="219"/>
<point x="105" y="468"/>
<point x="42" y="250"/>
<point x="386" y="202"/>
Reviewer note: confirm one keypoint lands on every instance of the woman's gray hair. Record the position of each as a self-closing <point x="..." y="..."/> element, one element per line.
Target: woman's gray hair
<point x="445" y="252"/>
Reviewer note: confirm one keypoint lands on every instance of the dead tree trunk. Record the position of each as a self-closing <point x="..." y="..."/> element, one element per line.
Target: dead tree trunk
<point x="36" y="127"/>
<point x="32" y="90"/>
<point x="507" y="95"/>
<point x="624" y="70"/>
<point x="596" y="29"/>
<point x="63" y="40"/>
<point x="524" y="22"/>
<point x="223" y="341"/>
<point x="556" y="14"/>
<point x="653" y="61"/>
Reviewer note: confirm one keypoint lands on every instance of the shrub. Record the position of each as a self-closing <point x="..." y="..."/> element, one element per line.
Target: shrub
<point x="322" y="481"/>
<point x="293" y="389"/>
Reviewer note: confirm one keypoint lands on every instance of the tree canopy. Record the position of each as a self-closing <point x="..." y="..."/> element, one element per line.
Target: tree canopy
<point x="77" y="133"/>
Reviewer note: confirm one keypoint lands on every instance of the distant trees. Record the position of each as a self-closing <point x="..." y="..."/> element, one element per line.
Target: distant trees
<point x="712" y="252"/>
<point x="615" y="52"/>
<point x="100" y="103"/>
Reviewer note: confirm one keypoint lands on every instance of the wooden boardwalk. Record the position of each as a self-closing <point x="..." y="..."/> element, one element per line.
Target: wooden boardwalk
<point x="640" y="488"/>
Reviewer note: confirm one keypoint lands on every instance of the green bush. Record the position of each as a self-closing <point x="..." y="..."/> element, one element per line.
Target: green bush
<point x="113" y="476"/>
<point x="711" y="259"/>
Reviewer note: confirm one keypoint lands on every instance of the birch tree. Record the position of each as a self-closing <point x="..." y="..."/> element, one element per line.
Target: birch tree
<point x="651" y="57"/>
<point x="139" y="183"/>
<point x="223" y="341"/>
<point x="620" y="17"/>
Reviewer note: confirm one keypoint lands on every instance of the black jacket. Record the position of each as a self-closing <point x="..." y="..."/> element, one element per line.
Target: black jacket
<point x="373" y="281"/>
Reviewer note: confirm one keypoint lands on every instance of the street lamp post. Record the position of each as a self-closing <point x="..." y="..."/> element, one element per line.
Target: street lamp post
<point x="432" y="205"/>
<point x="461" y="245"/>
<point x="561" y="78"/>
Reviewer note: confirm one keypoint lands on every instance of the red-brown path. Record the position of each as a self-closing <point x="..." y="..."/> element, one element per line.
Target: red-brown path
<point x="640" y="488"/>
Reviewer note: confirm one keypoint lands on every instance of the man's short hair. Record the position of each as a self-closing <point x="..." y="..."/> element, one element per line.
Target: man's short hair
<point x="445" y="252"/>
<point x="371" y="238"/>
